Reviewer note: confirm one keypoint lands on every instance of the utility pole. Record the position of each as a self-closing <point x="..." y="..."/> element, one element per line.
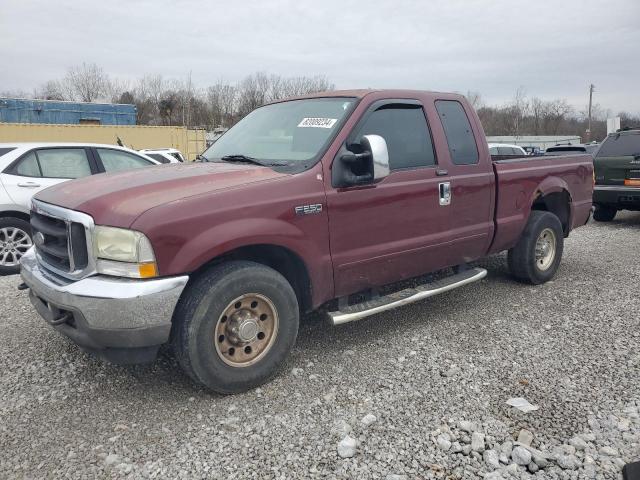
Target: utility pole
<point x="592" y="87"/>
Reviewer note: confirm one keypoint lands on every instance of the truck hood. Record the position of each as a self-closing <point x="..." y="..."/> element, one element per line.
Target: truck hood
<point x="117" y="199"/>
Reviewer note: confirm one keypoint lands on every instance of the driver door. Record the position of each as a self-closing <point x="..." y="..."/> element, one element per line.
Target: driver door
<point x="397" y="228"/>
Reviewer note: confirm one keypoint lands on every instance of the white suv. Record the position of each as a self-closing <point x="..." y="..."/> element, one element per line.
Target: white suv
<point x="164" y="155"/>
<point x="27" y="168"/>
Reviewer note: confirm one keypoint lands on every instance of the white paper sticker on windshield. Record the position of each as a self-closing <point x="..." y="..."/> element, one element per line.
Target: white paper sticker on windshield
<point x="317" y="122"/>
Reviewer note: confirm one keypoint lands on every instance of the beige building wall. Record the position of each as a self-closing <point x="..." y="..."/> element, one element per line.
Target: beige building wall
<point x="189" y="142"/>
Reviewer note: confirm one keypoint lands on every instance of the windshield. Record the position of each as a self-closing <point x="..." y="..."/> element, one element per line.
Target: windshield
<point x="620" y="145"/>
<point x="291" y="133"/>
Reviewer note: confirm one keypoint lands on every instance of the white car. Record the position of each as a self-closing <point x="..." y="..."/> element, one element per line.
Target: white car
<point x="505" y="149"/>
<point x="164" y="155"/>
<point x="27" y="168"/>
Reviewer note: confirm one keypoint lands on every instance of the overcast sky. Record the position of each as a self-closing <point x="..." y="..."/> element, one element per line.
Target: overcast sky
<point x="554" y="49"/>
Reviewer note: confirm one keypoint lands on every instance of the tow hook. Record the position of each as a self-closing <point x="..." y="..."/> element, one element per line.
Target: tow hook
<point x="23" y="286"/>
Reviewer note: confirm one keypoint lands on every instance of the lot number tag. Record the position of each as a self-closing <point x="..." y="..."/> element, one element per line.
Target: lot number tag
<point x="317" y="122"/>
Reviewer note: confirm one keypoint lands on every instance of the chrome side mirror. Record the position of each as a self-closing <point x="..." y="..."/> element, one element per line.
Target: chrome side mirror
<point x="377" y="147"/>
<point x="365" y="168"/>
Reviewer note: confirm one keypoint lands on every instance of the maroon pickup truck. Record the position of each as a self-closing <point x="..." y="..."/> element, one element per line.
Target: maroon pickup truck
<point x="321" y="202"/>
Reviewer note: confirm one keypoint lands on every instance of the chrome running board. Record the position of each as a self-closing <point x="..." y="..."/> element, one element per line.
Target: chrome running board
<point x="405" y="297"/>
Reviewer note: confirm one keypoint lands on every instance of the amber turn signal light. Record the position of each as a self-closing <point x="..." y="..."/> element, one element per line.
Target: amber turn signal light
<point x="147" y="270"/>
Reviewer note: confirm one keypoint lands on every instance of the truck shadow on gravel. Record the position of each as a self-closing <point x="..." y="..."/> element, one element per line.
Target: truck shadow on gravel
<point x="320" y="342"/>
<point x="623" y="219"/>
<point x="316" y="337"/>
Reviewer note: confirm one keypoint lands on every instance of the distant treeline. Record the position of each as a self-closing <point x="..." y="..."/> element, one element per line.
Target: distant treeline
<point x="161" y="101"/>
<point x="534" y="116"/>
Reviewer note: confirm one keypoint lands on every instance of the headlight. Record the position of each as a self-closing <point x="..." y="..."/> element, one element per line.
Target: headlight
<point x="124" y="253"/>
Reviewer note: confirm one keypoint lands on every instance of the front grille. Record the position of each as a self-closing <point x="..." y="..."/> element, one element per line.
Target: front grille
<point x="61" y="244"/>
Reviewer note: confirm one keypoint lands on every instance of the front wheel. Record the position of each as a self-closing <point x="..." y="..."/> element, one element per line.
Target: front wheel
<point x="15" y="240"/>
<point x="235" y="325"/>
<point x="536" y="256"/>
<point x="604" y="214"/>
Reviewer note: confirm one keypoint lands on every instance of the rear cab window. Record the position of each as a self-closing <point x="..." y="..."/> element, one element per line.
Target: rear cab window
<point x="460" y="137"/>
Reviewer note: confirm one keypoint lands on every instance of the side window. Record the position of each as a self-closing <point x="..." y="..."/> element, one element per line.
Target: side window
<point x="405" y="129"/>
<point x="116" y="160"/>
<point x="64" y="163"/>
<point x="158" y="157"/>
<point x="28" y="166"/>
<point x="462" y="143"/>
<point x="505" y="151"/>
<point x="493" y="150"/>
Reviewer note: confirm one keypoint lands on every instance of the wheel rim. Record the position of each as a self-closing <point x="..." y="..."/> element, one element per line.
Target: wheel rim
<point x="545" y="249"/>
<point x="246" y="330"/>
<point x="14" y="243"/>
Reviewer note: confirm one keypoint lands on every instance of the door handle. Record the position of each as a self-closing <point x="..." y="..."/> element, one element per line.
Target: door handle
<point x="29" y="184"/>
<point x="444" y="191"/>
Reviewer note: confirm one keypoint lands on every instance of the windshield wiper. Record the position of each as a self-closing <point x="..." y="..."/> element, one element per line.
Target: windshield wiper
<point x="247" y="159"/>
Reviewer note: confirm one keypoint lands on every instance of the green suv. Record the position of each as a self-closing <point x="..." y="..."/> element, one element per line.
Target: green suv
<point x="617" y="175"/>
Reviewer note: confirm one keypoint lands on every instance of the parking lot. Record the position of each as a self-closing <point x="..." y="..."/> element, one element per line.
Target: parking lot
<point x="569" y="346"/>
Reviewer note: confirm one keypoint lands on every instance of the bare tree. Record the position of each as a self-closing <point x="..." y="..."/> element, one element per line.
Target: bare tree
<point x="516" y="111"/>
<point x="52" y="90"/>
<point x="221" y="98"/>
<point x="253" y="91"/>
<point x="86" y="82"/>
<point x="475" y="99"/>
<point x="555" y="114"/>
<point x="167" y="107"/>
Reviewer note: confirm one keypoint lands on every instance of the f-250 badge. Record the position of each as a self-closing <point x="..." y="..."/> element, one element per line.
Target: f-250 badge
<point x="308" y="209"/>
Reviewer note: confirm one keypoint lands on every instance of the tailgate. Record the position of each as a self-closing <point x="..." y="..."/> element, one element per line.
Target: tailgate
<point x="618" y="160"/>
<point x="621" y="170"/>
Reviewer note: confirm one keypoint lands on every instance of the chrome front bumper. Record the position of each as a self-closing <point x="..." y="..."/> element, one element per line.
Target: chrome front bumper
<point x="124" y="320"/>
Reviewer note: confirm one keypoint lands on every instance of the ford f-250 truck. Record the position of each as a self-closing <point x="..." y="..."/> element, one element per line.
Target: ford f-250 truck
<point x="315" y="202"/>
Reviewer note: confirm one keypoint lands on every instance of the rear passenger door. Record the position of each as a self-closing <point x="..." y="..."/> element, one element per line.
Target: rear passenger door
<point x="471" y="179"/>
<point x="41" y="168"/>
<point x="113" y="160"/>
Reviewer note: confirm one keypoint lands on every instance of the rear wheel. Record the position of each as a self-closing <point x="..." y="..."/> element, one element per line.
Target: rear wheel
<point x="15" y="240"/>
<point x="604" y="214"/>
<point x="536" y="256"/>
<point x="235" y="325"/>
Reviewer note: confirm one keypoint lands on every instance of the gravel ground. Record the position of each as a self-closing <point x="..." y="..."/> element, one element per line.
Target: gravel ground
<point x="415" y="393"/>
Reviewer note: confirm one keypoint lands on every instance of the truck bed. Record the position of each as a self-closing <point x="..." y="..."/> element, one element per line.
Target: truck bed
<point x="520" y="182"/>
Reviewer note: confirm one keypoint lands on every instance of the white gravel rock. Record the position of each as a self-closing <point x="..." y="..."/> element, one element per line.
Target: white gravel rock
<point x="568" y="462"/>
<point x="491" y="459"/>
<point x="368" y="419"/>
<point x="608" y="451"/>
<point x="495" y="475"/>
<point x="347" y="447"/>
<point x="443" y="442"/>
<point x="525" y="437"/>
<point x="466" y="426"/>
<point x="477" y="442"/>
<point x="521" y="456"/>
<point x="578" y="443"/>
